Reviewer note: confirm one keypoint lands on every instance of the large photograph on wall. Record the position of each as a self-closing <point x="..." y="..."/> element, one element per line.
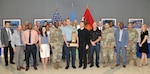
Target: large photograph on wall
<point x="108" y="20"/>
<point x="13" y="22"/>
<point x="42" y="21"/>
<point x="137" y="22"/>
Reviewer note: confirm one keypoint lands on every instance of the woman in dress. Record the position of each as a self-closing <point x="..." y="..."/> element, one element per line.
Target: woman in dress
<point x="143" y="45"/>
<point x="44" y="47"/>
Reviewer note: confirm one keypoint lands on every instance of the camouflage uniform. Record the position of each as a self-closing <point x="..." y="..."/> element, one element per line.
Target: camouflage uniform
<point x="108" y="42"/>
<point x="131" y="49"/>
<point x="56" y="42"/>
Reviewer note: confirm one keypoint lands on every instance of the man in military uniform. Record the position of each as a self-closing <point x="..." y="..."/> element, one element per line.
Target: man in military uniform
<point x="131" y="49"/>
<point x="107" y="44"/>
<point x="56" y="43"/>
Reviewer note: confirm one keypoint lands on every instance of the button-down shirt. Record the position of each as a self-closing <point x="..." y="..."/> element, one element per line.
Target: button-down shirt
<point x="67" y="31"/>
<point x="34" y="37"/>
<point x="16" y="40"/>
<point x="120" y="34"/>
<point x="8" y="30"/>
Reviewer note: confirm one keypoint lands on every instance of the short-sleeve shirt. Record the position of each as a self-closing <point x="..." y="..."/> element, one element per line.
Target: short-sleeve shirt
<point x="95" y="34"/>
<point x="67" y="31"/>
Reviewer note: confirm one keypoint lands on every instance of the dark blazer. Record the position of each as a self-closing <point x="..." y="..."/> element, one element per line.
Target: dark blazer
<point x="4" y="36"/>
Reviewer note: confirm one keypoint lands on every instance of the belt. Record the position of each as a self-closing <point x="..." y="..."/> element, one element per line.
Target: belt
<point x="30" y="44"/>
<point x="69" y="41"/>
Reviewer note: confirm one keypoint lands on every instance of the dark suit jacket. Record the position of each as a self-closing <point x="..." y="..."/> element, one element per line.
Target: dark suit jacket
<point x="4" y="36"/>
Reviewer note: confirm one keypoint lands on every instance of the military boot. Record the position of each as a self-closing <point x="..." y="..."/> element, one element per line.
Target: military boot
<point x="59" y="66"/>
<point x="135" y="64"/>
<point x="105" y="65"/>
<point x="55" y="66"/>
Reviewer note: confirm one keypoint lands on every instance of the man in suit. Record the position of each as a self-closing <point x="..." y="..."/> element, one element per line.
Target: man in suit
<point x="6" y="34"/>
<point x="121" y="37"/>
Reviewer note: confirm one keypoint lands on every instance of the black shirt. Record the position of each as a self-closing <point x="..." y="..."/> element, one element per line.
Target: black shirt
<point x="95" y="34"/>
<point x="83" y="35"/>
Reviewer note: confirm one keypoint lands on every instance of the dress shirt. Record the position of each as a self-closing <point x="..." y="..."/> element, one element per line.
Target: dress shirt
<point x="67" y="31"/>
<point x="8" y="30"/>
<point x="120" y="34"/>
<point x="16" y="39"/>
<point x="34" y="37"/>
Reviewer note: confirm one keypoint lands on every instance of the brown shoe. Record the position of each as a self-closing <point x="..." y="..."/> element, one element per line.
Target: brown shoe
<point x="89" y="62"/>
<point x="135" y="64"/>
<point x="22" y="68"/>
<point x="124" y="66"/>
<point x="35" y="68"/>
<point x="117" y="64"/>
<point x="18" y="68"/>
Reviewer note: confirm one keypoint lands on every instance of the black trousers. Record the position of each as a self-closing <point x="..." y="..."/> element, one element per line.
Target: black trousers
<point x="10" y="52"/>
<point x="30" y="49"/>
<point x="82" y="54"/>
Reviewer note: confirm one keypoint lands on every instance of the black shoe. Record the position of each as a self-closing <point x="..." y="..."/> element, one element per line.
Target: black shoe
<point x="97" y="65"/>
<point x="12" y="63"/>
<point x="6" y="64"/>
<point x="27" y="69"/>
<point x="35" y="68"/>
<point x="91" y="66"/>
<point x="84" y="67"/>
<point x="67" y="67"/>
<point x="80" y="66"/>
<point x="124" y="66"/>
<point x="74" y="67"/>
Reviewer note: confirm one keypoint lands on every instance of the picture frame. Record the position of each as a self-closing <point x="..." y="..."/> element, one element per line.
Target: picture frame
<point x="13" y="22"/>
<point x="41" y="20"/>
<point x="137" y="22"/>
<point x="107" y="20"/>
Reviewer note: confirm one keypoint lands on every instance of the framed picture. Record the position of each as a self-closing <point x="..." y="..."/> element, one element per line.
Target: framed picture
<point x="108" y="20"/>
<point x="137" y="22"/>
<point x="13" y="22"/>
<point x="42" y="21"/>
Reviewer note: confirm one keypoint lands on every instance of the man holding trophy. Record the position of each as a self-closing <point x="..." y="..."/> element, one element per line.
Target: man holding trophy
<point x="70" y="36"/>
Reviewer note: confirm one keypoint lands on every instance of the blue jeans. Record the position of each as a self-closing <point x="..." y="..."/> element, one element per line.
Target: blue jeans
<point x="73" y="54"/>
<point x="97" y="50"/>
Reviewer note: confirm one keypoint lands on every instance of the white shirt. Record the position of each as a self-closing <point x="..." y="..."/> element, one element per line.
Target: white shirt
<point x="120" y="34"/>
<point x="8" y="30"/>
<point x="100" y="28"/>
<point x="78" y="26"/>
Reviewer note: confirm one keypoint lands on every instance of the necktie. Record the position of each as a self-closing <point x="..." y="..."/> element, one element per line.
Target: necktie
<point x="8" y="34"/>
<point x="30" y="36"/>
<point x="20" y="38"/>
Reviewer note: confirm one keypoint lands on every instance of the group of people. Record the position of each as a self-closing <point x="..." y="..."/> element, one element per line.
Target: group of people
<point x="105" y="40"/>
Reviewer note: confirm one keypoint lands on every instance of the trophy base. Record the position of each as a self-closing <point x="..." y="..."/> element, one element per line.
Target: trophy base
<point x="73" y="45"/>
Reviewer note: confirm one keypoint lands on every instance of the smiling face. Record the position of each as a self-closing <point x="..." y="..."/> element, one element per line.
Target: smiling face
<point x="130" y="26"/>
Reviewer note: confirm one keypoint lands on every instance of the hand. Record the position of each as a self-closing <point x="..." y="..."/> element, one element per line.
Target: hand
<point x="67" y="44"/>
<point x="77" y="45"/>
<point x="130" y="42"/>
<point x="103" y="47"/>
<point x="53" y="47"/>
<point x="111" y="47"/>
<point x="14" y="50"/>
<point x="87" y="47"/>
<point x="140" y="45"/>
<point x="93" y="43"/>
<point x="3" y="45"/>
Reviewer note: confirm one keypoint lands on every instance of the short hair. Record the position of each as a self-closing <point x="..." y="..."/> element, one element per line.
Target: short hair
<point x="130" y="23"/>
<point x="7" y="22"/>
